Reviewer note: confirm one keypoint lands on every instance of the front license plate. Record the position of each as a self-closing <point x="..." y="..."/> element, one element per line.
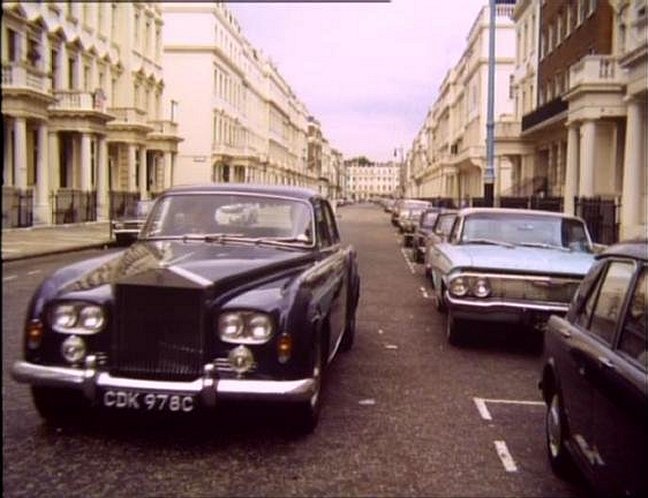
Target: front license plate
<point x="152" y="402"/>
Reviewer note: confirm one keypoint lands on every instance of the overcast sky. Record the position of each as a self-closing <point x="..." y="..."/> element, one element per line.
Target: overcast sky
<point x="368" y="72"/>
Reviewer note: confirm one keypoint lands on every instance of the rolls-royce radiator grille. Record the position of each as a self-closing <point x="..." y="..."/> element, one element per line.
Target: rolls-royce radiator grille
<point x="158" y="334"/>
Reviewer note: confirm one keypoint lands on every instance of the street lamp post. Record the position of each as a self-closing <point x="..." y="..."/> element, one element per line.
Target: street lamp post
<point x="489" y="174"/>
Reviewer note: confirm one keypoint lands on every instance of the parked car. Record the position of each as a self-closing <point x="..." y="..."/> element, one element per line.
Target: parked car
<point x="126" y="228"/>
<point x="424" y="227"/>
<point x="409" y="223"/>
<point x="439" y="233"/>
<point x="181" y="321"/>
<point x="402" y="209"/>
<point x="514" y="266"/>
<point x="595" y="376"/>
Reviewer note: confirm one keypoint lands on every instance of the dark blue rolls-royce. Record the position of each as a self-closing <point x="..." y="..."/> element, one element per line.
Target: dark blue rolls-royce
<point x="231" y="291"/>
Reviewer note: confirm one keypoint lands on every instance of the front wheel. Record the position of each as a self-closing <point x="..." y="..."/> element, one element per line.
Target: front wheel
<point x="307" y="412"/>
<point x="455" y="330"/>
<point x="556" y="434"/>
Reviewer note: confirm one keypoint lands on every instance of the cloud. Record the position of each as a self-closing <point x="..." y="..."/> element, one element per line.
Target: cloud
<point x="368" y="72"/>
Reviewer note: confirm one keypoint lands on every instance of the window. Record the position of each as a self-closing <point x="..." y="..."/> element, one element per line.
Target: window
<point x="634" y="337"/>
<point x="86" y="78"/>
<point x="604" y="306"/>
<point x="12" y="45"/>
<point x="136" y="24"/>
<point x="72" y="73"/>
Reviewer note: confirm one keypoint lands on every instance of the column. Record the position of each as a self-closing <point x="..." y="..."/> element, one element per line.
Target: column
<point x="571" y="169"/>
<point x="168" y="181"/>
<point x="143" y="178"/>
<point x="20" y="153"/>
<point x="587" y="156"/>
<point x="86" y="163"/>
<point x="631" y="202"/>
<point x="42" y="209"/>
<point x="132" y="154"/>
<point x="8" y="155"/>
<point x="102" y="178"/>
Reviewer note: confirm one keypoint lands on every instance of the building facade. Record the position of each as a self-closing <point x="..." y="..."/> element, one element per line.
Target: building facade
<point x="85" y="129"/>
<point x="241" y="120"/>
<point x="447" y="158"/>
<point x="366" y="180"/>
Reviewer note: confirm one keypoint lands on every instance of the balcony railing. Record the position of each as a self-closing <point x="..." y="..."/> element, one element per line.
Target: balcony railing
<point x="164" y="127"/>
<point x="595" y="70"/>
<point x="543" y="113"/>
<point x="76" y="100"/>
<point x="17" y="76"/>
<point x="130" y="115"/>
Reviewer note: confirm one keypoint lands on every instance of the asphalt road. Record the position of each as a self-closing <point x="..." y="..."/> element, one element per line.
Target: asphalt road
<point x="405" y="414"/>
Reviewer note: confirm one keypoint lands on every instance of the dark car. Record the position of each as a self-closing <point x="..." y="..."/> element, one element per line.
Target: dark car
<point x="409" y="223"/>
<point x="424" y="227"/>
<point x="206" y="306"/>
<point x="595" y="376"/>
<point x="127" y="227"/>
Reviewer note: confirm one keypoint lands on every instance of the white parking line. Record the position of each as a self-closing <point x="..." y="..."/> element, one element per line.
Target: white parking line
<point x="12" y="277"/>
<point x="33" y="272"/>
<point x="480" y="403"/>
<point x="482" y="408"/>
<point x="505" y="456"/>
<point x="407" y="260"/>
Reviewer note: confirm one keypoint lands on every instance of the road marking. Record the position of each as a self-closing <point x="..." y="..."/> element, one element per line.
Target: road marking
<point x="480" y="403"/>
<point x="409" y="263"/>
<point x="505" y="456"/>
<point x="482" y="409"/>
<point x="12" y="277"/>
<point x="33" y="272"/>
<point x="424" y="292"/>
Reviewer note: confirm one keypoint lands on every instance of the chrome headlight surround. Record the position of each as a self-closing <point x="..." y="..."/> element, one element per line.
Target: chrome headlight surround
<point x="480" y="287"/>
<point x="245" y="327"/>
<point x="459" y="286"/>
<point x="77" y="317"/>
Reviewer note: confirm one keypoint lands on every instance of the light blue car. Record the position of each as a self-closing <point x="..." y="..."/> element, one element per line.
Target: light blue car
<point x="514" y="266"/>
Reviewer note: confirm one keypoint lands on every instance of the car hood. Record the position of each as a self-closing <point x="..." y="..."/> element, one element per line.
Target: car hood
<point x="518" y="259"/>
<point x="200" y="264"/>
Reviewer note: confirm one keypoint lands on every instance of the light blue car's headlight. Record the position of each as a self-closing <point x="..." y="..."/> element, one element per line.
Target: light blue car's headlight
<point x="77" y="317"/>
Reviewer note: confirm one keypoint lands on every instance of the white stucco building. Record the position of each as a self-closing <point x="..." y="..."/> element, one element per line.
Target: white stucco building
<point x="86" y="123"/>
<point x="240" y="118"/>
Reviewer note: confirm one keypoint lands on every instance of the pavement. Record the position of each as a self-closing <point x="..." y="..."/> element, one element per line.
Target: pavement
<point x="23" y="243"/>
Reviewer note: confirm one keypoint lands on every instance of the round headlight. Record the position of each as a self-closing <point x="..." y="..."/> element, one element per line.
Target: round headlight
<point x="458" y="287"/>
<point x="260" y="327"/>
<point x="230" y="325"/>
<point x="64" y="316"/>
<point x="73" y="349"/>
<point x="91" y="318"/>
<point x="481" y="287"/>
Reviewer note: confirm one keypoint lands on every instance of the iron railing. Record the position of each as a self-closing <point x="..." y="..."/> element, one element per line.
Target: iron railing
<point x="17" y="207"/>
<point x="73" y="206"/>
<point x="601" y="216"/>
<point x="122" y="203"/>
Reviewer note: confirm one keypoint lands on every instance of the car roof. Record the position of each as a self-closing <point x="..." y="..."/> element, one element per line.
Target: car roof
<point x="246" y="188"/>
<point x="499" y="210"/>
<point x="635" y="248"/>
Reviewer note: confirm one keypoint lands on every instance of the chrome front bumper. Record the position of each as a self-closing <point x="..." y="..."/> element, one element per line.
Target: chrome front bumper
<point x="499" y="310"/>
<point x="208" y="388"/>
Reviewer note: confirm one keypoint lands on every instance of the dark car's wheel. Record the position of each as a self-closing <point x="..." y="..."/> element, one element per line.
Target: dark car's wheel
<point x="455" y="330"/>
<point x="59" y="405"/>
<point x="418" y="256"/>
<point x="349" y="332"/>
<point x="556" y="434"/>
<point x="307" y="412"/>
